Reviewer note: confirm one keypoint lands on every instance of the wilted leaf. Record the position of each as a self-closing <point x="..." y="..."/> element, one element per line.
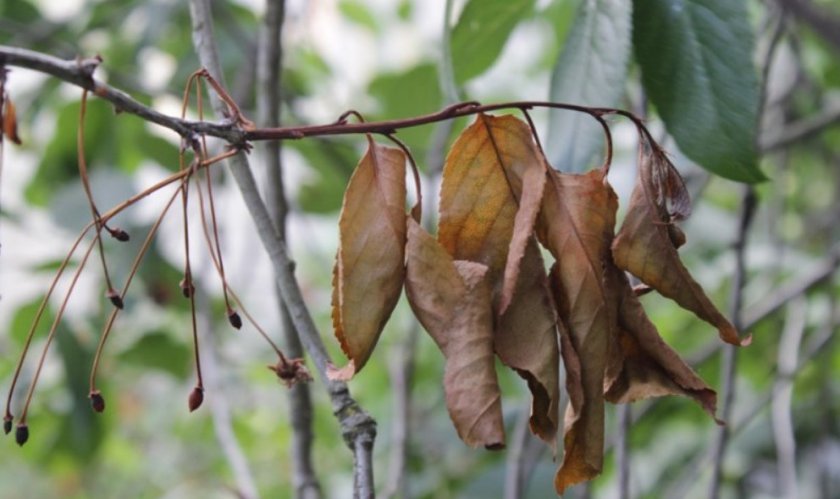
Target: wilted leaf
<point x="369" y="270"/>
<point x="576" y="224"/>
<point x="490" y="161"/>
<point x="493" y="184"/>
<point x="642" y="365"/>
<point x="646" y="246"/>
<point x="452" y="301"/>
<point x="526" y="341"/>
<point x="10" y="120"/>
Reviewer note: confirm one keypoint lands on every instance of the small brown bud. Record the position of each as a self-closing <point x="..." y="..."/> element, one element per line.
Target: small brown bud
<point x="115" y="298"/>
<point x="7" y="424"/>
<point x="97" y="401"/>
<point x="196" y="398"/>
<point x="234" y="319"/>
<point x="21" y="434"/>
<point x="187" y="289"/>
<point x="119" y="234"/>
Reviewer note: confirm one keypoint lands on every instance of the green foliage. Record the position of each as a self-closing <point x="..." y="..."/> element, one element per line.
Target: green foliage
<point x="696" y="60"/>
<point x="481" y="32"/>
<point x="591" y="70"/>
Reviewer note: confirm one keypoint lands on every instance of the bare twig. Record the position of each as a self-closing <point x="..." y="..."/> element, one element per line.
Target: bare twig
<point x="220" y="410"/>
<point x="523" y="455"/>
<point x="401" y="371"/>
<point x="730" y="355"/>
<point x="782" y="397"/>
<point x="358" y="428"/>
<point x="622" y="454"/>
<point x="269" y="98"/>
<point x="821" y="19"/>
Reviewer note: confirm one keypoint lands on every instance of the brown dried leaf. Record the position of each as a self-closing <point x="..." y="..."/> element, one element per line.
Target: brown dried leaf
<point x="482" y="213"/>
<point x="576" y="224"/>
<point x="369" y="271"/>
<point x="642" y="365"/>
<point x="452" y="301"/>
<point x="526" y="341"/>
<point x="646" y="245"/>
<point x="10" y="120"/>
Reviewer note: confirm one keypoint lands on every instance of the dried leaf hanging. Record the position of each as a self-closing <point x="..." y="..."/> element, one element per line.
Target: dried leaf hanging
<point x="492" y="186"/>
<point x="646" y="245"/>
<point x="576" y="224"/>
<point x="642" y="365"/>
<point x="452" y="301"/>
<point x="369" y="270"/>
<point x="10" y="120"/>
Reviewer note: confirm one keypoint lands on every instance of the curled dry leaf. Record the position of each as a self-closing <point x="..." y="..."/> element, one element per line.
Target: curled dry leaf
<point x="641" y="364"/>
<point x="576" y="224"/>
<point x="492" y="186"/>
<point x="646" y="245"/>
<point x="451" y="299"/>
<point x="10" y="120"/>
<point x="526" y="341"/>
<point x="369" y="270"/>
<point x="479" y="201"/>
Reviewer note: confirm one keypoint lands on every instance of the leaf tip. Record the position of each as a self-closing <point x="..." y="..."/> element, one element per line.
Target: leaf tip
<point x="345" y="373"/>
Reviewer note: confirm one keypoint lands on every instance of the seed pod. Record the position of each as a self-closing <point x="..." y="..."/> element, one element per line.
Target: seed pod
<point x="234" y="319"/>
<point x="97" y="401"/>
<point x="115" y="298"/>
<point x="196" y="398"/>
<point x="21" y="434"/>
<point x="187" y="289"/>
<point x="7" y="424"/>
<point x="119" y="234"/>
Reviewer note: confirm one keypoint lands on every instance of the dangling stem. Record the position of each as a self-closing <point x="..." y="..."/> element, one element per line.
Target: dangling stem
<point x="134" y="268"/>
<point x="80" y="148"/>
<point x="417" y="209"/>
<point x="53" y="329"/>
<point x="38" y="314"/>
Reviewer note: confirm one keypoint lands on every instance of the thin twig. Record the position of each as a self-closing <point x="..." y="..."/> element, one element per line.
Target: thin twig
<point x="220" y="409"/>
<point x="730" y="355"/>
<point x="783" y="431"/>
<point x="358" y="428"/>
<point x="622" y="454"/>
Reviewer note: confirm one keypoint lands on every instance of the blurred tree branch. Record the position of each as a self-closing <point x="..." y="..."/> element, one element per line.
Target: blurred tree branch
<point x="358" y="428"/>
<point x="269" y="98"/>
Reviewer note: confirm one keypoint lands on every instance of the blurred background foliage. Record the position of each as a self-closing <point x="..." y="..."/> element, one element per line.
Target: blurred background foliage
<point x="388" y="59"/>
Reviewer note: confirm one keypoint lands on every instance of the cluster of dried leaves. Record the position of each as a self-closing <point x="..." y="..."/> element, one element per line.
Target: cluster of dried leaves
<point x="481" y="288"/>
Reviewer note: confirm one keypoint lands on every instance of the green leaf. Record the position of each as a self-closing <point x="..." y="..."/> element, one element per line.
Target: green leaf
<point x="481" y="32"/>
<point x="359" y="13"/>
<point x="697" y="69"/>
<point x="157" y="350"/>
<point x="412" y="92"/>
<point x="591" y="70"/>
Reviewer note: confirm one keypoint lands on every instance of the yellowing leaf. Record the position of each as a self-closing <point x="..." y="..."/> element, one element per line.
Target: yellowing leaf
<point x="369" y="271"/>
<point x="526" y="341"/>
<point x="647" y="248"/>
<point x="452" y="301"/>
<point x="641" y="364"/>
<point x="576" y="224"/>
<point x="478" y="208"/>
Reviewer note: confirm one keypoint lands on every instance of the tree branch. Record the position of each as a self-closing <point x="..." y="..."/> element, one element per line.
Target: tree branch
<point x="358" y="428"/>
<point x="823" y="21"/>
<point x="269" y="89"/>
<point x="730" y="355"/>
